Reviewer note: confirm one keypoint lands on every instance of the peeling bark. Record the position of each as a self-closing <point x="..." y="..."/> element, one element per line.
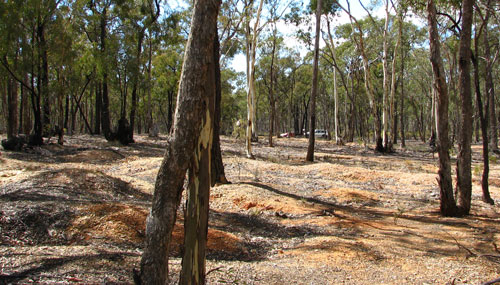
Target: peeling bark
<point x="189" y="131"/>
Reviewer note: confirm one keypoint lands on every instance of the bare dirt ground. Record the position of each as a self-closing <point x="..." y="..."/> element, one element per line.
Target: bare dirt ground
<point x="76" y="214"/>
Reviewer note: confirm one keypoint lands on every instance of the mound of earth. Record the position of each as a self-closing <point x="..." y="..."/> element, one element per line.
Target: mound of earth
<point x="76" y="213"/>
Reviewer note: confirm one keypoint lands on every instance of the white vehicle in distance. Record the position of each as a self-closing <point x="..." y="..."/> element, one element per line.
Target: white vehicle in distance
<point x="319" y="133"/>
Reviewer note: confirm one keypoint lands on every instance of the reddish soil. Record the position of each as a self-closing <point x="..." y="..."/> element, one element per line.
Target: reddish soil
<point x="76" y="213"/>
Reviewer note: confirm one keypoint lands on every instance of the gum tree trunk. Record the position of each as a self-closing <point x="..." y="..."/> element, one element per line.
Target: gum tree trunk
<point x="218" y="174"/>
<point x="447" y="201"/>
<point x="187" y="147"/>
<point x="488" y="83"/>
<point x="314" y="89"/>
<point x="464" y="179"/>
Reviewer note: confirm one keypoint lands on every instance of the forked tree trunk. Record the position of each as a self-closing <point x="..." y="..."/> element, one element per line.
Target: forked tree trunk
<point x="368" y="81"/>
<point x="188" y="146"/>
<point x="314" y="89"/>
<point x="447" y="201"/>
<point x="464" y="179"/>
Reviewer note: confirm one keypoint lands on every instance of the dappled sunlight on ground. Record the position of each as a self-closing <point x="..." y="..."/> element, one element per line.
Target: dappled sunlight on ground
<point x="77" y="213"/>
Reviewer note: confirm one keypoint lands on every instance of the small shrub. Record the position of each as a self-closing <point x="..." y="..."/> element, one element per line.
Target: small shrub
<point x="478" y="169"/>
<point x="493" y="159"/>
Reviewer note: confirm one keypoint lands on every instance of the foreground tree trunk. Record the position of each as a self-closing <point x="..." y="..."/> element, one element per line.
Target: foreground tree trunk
<point x="464" y="179"/>
<point x="314" y="89"/>
<point x="187" y="146"/>
<point x="447" y="206"/>
<point x="196" y="219"/>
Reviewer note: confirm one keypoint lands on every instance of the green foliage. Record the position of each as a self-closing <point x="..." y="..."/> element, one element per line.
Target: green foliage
<point x="478" y="170"/>
<point x="493" y="159"/>
<point x="329" y="6"/>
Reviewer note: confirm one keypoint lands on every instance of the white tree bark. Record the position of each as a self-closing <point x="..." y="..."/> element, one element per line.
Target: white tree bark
<point x="251" y="102"/>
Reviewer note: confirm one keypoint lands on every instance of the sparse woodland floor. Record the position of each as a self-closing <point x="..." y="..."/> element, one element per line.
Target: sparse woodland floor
<point x="76" y="213"/>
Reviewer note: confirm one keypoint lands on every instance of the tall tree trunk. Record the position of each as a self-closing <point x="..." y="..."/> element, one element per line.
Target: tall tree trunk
<point x="251" y="133"/>
<point x="105" y="116"/>
<point x="25" y="107"/>
<point x="447" y="201"/>
<point x="4" y="94"/>
<point x="464" y="179"/>
<point x="37" y="137"/>
<point x="60" y="108"/>
<point x="393" y="100"/>
<point x="44" y="78"/>
<point x="488" y="82"/>
<point x="12" y="122"/>
<point x="271" y="93"/>
<point x="386" y="114"/>
<point x="149" y="104"/>
<point x="218" y="174"/>
<point x="98" y="109"/>
<point x="314" y="89"/>
<point x="170" y="111"/>
<point x="379" y="146"/>
<point x="199" y="181"/>
<point x="335" y="111"/>
<point x="402" y="98"/>
<point x="483" y="118"/>
<point x="188" y="144"/>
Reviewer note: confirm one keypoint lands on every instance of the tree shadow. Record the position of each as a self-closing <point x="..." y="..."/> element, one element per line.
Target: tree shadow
<point x="365" y="216"/>
<point x="51" y="263"/>
<point x="71" y="185"/>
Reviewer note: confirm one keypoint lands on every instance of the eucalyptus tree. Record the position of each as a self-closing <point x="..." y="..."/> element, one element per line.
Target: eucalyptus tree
<point x="140" y="19"/>
<point x="188" y="147"/>
<point x="483" y="111"/>
<point x="359" y="37"/>
<point x="25" y="55"/>
<point x="314" y="88"/>
<point x="489" y="85"/>
<point x="447" y="201"/>
<point x="96" y="20"/>
<point x="251" y="40"/>
<point x="464" y="179"/>
<point x="169" y="43"/>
